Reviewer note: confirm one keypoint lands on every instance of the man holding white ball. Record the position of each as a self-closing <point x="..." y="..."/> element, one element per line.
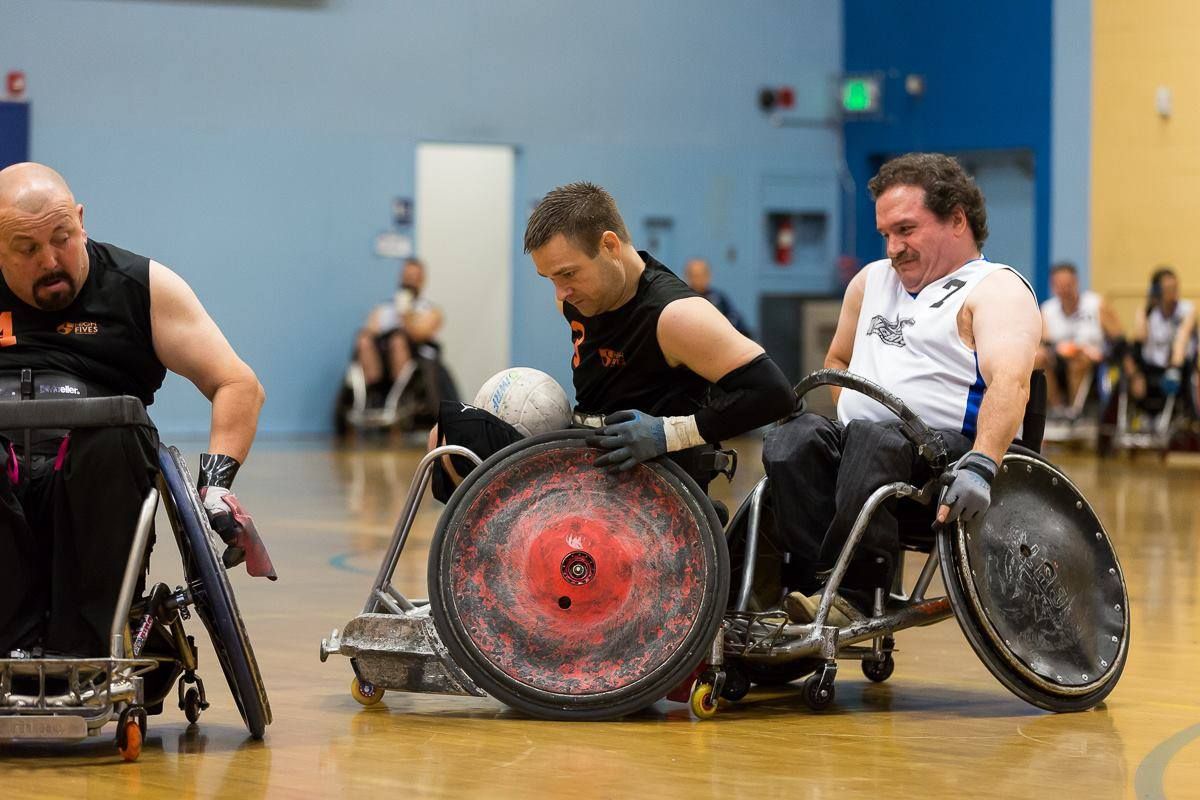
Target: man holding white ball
<point x="657" y="369"/>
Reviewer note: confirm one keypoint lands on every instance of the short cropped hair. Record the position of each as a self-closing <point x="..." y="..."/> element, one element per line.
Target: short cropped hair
<point x="580" y="211"/>
<point x="1064" y="266"/>
<point x="947" y="187"/>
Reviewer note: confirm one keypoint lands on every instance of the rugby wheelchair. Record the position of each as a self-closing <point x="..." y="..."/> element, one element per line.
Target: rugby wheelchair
<point x="568" y="593"/>
<point x="1159" y="421"/>
<point x="151" y="656"/>
<point x="406" y="402"/>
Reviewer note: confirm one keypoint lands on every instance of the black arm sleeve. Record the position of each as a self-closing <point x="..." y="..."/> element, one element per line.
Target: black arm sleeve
<point x="753" y="395"/>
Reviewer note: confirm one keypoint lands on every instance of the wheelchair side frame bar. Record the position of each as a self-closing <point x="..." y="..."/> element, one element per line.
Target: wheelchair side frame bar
<point x="133" y="568"/>
<point x="383" y="596"/>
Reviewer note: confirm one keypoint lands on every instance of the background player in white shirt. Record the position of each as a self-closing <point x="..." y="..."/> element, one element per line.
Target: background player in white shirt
<point x="953" y="335"/>
<point x="1164" y="341"/>
<point x="1077" y="328"/>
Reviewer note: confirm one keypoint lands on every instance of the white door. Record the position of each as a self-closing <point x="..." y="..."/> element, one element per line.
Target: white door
<point x="464" y="229"/>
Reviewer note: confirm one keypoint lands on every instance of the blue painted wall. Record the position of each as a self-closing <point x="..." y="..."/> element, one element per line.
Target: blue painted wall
<point x="1070" y="215"/>
<point x="987" y="70"/>
<point x="255" y="147"/>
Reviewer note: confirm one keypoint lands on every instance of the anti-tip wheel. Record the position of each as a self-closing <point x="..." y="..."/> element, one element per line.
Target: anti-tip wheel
<point x="703" y="703"/>
<point x="879" y="671"/>
<point x="368" y="694"/>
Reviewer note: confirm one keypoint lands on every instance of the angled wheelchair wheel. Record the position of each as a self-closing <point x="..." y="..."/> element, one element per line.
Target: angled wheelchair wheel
<point x="568" y="593"/>
<point x="209" y="585"/>
<point x="1037" y="589"/>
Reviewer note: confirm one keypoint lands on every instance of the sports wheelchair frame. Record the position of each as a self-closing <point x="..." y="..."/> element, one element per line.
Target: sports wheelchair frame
<point x="150" y="654"/>
<point x="569" y="594"/>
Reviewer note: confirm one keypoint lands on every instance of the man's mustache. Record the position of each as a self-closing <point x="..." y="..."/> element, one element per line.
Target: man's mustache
<point x="53" y="277"/>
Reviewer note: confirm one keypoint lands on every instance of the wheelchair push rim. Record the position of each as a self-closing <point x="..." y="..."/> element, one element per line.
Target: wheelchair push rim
<point x="1038" y="591"/>
<point x="213" y="595"/>
<point x="568" y="593"/>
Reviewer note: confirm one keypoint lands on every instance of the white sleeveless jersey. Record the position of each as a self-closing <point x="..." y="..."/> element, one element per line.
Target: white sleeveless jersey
<point x="911" y="347"/>
<point x="1083" y="327"/>
<point x="1161" y="331"/>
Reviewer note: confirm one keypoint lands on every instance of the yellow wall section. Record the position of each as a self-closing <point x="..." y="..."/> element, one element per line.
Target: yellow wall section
<point x="1145" y="194"/>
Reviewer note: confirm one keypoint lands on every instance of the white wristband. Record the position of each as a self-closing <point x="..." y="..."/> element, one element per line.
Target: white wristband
<point x="682" y="433"/>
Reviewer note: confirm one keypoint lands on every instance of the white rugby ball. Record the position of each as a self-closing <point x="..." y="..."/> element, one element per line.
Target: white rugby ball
<point x="528" y="399"/>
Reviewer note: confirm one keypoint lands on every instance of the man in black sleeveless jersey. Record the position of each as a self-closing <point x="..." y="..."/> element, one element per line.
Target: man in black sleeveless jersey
<point x="657" y="369"/>
<point x="90" y="319"/>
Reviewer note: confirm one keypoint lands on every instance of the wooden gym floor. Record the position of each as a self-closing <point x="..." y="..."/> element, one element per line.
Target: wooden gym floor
<point x="941" y="727"/>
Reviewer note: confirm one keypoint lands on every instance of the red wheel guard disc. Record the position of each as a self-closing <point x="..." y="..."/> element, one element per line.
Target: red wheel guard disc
<point x="573" y="581"/>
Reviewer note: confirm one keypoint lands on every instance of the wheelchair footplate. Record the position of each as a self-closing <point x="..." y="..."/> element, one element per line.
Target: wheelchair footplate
<point x="398" y="651"/>
<point x="66" y="699"/>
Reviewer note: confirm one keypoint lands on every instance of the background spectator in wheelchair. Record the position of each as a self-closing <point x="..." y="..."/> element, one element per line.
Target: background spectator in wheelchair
<point x="953" y="335"/>
<point x="698" y="275"/>
<point x="657" y="369"/>
<point x="1079" y="330"/>
<point x="399" y="340"/>
<point x="88" y="319"/>
<point x="1163" y="361"/>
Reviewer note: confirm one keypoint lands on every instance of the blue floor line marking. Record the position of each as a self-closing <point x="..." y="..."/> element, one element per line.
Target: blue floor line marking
<point x="1148" y="780"/>
<point x="340" y="562"/>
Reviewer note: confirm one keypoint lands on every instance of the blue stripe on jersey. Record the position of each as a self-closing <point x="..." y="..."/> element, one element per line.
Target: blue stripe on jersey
<point x="974" y="398"/>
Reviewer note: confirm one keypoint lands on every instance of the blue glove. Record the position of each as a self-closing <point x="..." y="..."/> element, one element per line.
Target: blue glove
<point x="968" y="488"/>
<point x="1171" y="380"/>
<point x="632" y="437"/>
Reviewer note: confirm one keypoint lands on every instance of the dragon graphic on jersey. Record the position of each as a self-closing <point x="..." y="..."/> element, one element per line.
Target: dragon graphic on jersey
<point x="889" y="332"/>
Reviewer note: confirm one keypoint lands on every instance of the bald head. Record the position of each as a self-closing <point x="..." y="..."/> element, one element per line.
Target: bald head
<point x="43" y="246"/>
<point x="29" y="187"/>
<point x="698" y="275"/>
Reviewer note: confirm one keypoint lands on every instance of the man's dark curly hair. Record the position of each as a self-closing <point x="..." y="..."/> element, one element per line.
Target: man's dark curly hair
<point x="947" y="187"/>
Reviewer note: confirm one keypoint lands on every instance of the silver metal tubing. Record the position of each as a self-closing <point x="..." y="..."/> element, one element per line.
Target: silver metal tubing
<point x="133" y="568"/>
<point x="813" y="640"/>
<point x="751" y="551"/>
<point x="415" y="492"/>
<point x="400" y="599"/>
<point x="898" y="489"/>
<point x="923" y="580"/>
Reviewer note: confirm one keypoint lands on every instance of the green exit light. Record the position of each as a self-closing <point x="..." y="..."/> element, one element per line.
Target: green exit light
<point x="860" y="95"/>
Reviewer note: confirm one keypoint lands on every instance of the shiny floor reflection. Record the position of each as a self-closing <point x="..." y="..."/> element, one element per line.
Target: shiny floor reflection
<point x="941" y="727"/>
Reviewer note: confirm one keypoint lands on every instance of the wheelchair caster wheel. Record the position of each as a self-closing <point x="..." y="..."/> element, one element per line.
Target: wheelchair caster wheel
<point x="879" y="671"/>
<point x="192" y="706"/>
<point x="366" y="693"/>
<point x="818" y="692"/>
<point x="737" y="684"/>
<point x="703" y="704"/>
<point x="131" y="732"/>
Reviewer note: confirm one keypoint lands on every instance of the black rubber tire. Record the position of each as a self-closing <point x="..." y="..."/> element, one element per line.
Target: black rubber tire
<point x="737" y="683"/>
<point x="191" y="706"/>
<point x="879" y="671"/>
<point x="214" y="600"/>
<point x="560" y="706"/>
<point x="812" y="693"/>
<point x="996" y="664"/>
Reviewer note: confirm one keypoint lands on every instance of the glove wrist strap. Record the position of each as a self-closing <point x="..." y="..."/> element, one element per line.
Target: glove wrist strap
<point x="682" y="433"/>
<point x="217" y="469"/>
<point x="982" y="465"/>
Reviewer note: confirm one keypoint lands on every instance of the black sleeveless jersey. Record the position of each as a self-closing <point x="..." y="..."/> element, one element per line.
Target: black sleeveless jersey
<point x="103" y="337"/>
<point x="618" y="363"/>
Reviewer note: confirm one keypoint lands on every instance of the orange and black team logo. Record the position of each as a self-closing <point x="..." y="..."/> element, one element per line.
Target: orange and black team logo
<point x="612" y="358"/>
<point x="8" y="336"/>
<point x="577" y="328"/>
<point x="79" y="328"/>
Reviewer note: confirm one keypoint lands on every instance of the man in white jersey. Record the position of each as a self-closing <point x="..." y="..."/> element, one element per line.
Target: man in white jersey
<point x="1076" y="327"/>
<point x="935" y="323"/>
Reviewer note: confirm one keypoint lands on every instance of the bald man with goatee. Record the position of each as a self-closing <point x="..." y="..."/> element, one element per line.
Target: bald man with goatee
<point x="89" y="319"/>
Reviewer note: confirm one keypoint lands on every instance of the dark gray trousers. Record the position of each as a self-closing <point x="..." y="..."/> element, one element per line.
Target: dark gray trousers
<point x="821" y="474"/>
